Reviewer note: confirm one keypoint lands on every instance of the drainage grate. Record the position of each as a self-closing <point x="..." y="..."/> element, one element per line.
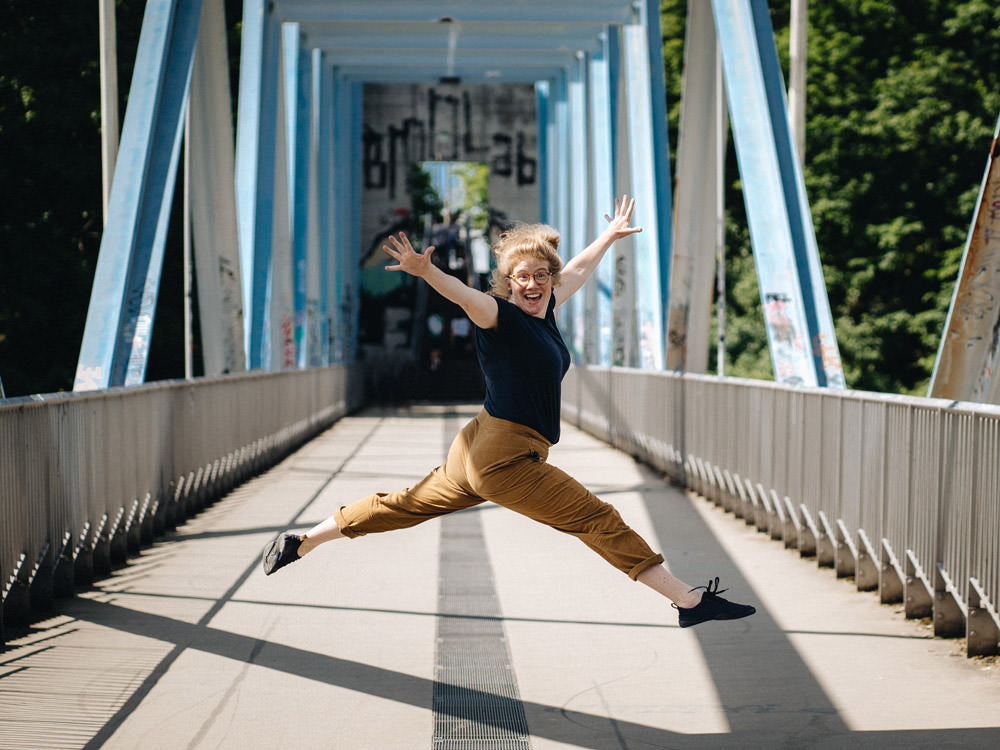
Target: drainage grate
<point x="476" y="702"/>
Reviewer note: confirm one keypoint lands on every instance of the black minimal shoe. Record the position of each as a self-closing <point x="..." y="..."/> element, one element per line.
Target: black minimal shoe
<point x="281" y="551"/>
<point x="712" y="607"/>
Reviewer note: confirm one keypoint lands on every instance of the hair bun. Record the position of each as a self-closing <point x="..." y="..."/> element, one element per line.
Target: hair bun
<point x="550" y="235"/>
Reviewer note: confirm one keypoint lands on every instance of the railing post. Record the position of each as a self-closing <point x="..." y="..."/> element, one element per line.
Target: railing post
<point x="826" y="553"/>
<point x="793" y="528"/>
<point x="949" y="620"/>
<point x="63" y="575"/>
<point x="16" y="604"/>
<point x="867" y="570"/>
<point x="40" y="590"/>
<point x="808" y="534"/>
<point x="983" y="625"/>
<point x="917" y="591"/>
<point x="83" y="558"/>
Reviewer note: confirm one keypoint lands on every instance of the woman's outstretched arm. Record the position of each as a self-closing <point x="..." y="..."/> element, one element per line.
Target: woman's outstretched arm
<point x="479" y="306"/>
<point x="576" y="272"/>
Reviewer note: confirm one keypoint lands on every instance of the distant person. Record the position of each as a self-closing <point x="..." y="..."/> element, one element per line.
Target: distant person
<point x="500" y="456"/>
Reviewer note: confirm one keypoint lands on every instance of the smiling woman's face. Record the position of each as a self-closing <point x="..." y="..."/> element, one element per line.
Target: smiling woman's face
<point x="533" y="297"/>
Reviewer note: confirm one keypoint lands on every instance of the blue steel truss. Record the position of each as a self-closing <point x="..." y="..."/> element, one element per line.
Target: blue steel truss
<point x="597" y="69"/>
<point x="119" y="325"/>
<point x="793" y="294"/>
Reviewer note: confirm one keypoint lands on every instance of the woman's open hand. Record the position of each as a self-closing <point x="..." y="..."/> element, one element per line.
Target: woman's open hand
<point x="620" y="224"/>
<point x="408" y="259"/>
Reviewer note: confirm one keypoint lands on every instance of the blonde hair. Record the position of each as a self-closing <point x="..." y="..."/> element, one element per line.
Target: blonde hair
<point x="538" y="241"/>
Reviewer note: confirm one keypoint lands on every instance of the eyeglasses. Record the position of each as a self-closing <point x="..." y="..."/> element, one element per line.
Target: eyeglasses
<point x="541" y="278"/>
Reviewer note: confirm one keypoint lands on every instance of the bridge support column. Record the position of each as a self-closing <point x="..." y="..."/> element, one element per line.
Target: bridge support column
<point x="213" y="198"/>
<point x="647" y="178"/>
<point x="119" y="322"/>
<point x="262" y="198"/>
<point x="597" y="344"/>
<point x="699" y="164"/>
<point x="793" y="294"/>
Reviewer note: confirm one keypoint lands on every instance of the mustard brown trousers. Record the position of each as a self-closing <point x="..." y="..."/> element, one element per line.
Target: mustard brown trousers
<point x="504" y="462"/>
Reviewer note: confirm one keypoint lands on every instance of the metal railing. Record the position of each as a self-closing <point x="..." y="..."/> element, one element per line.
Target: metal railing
<point x="86" y="479"/>
<point x="900" y="493"/>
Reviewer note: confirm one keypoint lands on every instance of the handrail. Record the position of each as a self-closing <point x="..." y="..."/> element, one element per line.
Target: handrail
<point x="86" y="479"/>
<point x="902" y="493"/>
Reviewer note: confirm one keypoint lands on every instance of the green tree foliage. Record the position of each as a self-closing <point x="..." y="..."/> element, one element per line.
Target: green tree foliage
<point x="900" y="120"/>
<point x="423" y="197"/>
<point x="902" y="96"/>
<point x="475" y="179"/>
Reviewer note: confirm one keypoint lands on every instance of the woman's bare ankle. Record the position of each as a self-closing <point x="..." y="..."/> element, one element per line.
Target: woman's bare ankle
<point x="305" y="545"/>
<point x="694" y="601"/>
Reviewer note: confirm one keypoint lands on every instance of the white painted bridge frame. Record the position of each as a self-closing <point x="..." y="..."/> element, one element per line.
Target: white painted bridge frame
<point x="289" y="239"/>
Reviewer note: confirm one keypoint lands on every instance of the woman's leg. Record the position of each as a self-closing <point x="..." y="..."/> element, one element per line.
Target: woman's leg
<point x="324" y="531"/>
<point x="666" y="583"/>
<point x="433" y="496"/>
<point x="510" y="469"/>
<point x="444" y="490"/>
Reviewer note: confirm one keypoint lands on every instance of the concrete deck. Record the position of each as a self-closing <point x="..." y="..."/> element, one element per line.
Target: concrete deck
<point x="190" y="645"/>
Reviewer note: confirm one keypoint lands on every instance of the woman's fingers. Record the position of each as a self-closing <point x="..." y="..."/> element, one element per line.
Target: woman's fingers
<point x="401" y="247"/>
<point x="407" y="258"/>
<point x="624" y="207"/>
<point x="628" y="210"/>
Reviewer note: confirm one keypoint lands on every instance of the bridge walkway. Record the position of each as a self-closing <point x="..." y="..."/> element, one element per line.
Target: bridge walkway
<point x="537" y="642"/>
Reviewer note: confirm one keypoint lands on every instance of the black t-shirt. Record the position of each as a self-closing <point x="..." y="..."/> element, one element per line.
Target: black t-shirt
<point x="523" y="361"/>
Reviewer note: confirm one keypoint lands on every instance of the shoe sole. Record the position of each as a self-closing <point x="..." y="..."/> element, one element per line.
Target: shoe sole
<point x="720" y="617"/>
<point x="271" y="556"/>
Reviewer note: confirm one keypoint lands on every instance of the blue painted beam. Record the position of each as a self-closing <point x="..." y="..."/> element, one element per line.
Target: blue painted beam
<point x="796" y="311"/>
<point x="352" y="215"/>
<point x="823" y="338"/>
<point x="346" y="290"/>
<point x="543" y="107"/>
<point x="256" y="138"/>
<point x="433" y="73"/>
<point x="577" y="230"/>
<point x="602" y="198"/>
<point x="447" y="63"/>
<point x="314" y="318"/>
<point x="661" y="156"/>
<point x="298" y="92"/>
<point x="651" y="247"/>
<point x="559" y="173"/>
<point x="340" y="182"/>
<point x="518" y="11"/>
<point x="399" y="39"/>
<point x="116" y="338"/>
<point x="322" y="135"/>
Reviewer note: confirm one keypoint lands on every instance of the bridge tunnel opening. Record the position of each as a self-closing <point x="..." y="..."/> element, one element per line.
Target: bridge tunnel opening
<point x="452" y="165"/>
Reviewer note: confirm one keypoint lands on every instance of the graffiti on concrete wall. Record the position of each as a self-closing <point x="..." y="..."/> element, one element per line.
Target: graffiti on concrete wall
<point x="490" y="124"/>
